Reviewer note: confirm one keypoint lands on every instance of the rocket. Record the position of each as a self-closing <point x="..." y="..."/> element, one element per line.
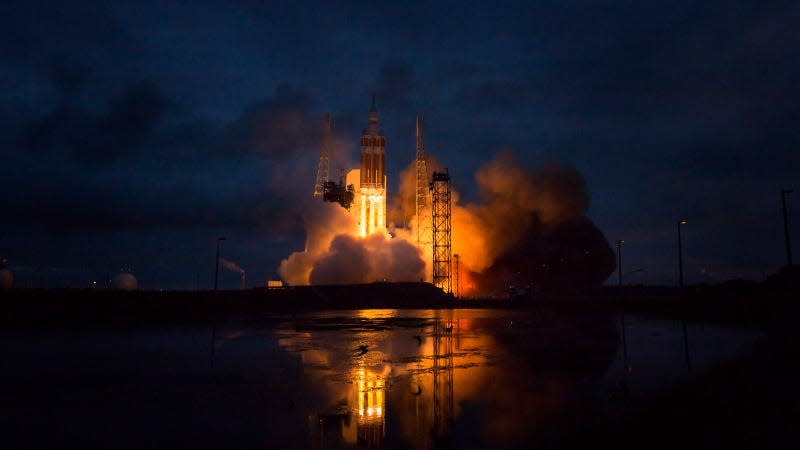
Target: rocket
<point x="372" y="187"/>
<point x="373" y="149"/>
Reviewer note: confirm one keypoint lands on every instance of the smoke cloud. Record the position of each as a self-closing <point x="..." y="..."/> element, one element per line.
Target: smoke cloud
<point x="528" y="227"/>
<point x="335" y="255"/>
<point x="230" y="265"/>
<point x="514" y="201"/>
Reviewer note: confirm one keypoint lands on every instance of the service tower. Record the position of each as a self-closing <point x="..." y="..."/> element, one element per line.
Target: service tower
<point x="372" y="202"/>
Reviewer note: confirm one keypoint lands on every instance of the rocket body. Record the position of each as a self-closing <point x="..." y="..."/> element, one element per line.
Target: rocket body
<point x="372" y="186"/>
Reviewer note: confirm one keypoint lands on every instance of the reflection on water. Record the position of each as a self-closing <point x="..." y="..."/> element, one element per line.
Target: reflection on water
<point x="462" y="378"/>
<point x="344" y="379"/>
<point x="359" y="358"/>
<point x="473" y="379"/>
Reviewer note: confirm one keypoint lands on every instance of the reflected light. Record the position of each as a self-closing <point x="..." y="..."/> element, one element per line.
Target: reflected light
<point x="370" y="395"/>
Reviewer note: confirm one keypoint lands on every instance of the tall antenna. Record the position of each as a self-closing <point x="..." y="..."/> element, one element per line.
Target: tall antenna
<point x="324" y="159"/>
<point x="424" y="227"/>
<point x="442" y="258"/>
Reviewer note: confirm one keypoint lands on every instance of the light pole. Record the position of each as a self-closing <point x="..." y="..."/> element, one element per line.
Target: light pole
<point x="216" y="267"/>
<point x="680" y="254"/>
<point x="786" y="227"/>
<point x="619" y="262"/>
<point x="680" y="283"/>
<point x="622" y="311"/>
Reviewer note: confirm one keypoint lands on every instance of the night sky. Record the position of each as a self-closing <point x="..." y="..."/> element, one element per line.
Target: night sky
<point x="133" y="134"/>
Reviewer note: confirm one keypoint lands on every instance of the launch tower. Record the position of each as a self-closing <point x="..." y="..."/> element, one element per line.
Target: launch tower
<point x="372" y="190"/>
<point x="424" y="232"/>
<point x="324" y="159"/>
<point x="442" y="255"/>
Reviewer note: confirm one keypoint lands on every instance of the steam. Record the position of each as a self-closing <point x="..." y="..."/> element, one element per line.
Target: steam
<point x="529" y="226"/>
<point x="233" y="267"/>
<point x="514" y="199"/>
<point x="335" y="255"/>
<point x="230" y="265"/>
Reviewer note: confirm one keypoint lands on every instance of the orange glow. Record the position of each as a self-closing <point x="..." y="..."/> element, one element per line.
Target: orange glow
<point x="372" y="211"/>
<point x="370" y="396"/>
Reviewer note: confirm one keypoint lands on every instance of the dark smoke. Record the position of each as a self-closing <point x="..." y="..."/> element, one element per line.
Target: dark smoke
<point x="530" y="229"/>
<point x="571" y="256"/>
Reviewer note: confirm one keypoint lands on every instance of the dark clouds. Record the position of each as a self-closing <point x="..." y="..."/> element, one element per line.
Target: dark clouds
<point x="210" y="114"/>
<point x="69" y="76"/>
<point x="277" y="127"/>
<point x="143" y="160"/>
<point x="92" y="138"/>
<point x="395" y="84"/>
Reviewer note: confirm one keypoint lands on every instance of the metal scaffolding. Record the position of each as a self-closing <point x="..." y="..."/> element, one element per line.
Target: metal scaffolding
<point x="324" y="159"/>
<point x="424" y="228"/>
<point x="442" y="258"/>
<point x="456" y="276"/>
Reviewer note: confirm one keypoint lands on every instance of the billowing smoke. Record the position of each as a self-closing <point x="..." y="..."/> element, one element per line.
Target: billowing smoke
<point x="335" y="255"/>
<point x="527" y="228"/>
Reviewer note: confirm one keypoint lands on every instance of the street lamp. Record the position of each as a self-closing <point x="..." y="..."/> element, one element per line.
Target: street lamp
<point x="619" y="261"/>
<point x="216" y="268"/>
<point x="680" y="282"/>
<point x="622" y="310"/>
<point x="786" y="226"/>
<point x="680" y="254"/>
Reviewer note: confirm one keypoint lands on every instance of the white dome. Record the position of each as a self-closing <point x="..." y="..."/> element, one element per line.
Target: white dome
<point x="6" y="279"/>
<point x="124" y="282"/>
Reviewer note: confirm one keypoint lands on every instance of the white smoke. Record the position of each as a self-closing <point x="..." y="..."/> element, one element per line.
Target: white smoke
<point x="334" y="254"/>
<point x="230" y="265"/>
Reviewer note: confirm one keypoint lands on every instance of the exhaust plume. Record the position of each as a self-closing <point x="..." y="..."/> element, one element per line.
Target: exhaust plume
<point x="527" y="228"/>
<point x="334" y="254"/>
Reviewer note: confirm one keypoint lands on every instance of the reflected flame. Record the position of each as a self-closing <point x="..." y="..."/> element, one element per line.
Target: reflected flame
<point x="434" y="368"/>
<point x="370" y="396"/>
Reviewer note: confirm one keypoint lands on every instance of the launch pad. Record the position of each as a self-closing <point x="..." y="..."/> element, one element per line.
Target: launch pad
<point x="363" y="193"/>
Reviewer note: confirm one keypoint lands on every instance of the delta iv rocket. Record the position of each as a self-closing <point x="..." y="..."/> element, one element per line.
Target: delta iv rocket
<point x="373" y="176"/>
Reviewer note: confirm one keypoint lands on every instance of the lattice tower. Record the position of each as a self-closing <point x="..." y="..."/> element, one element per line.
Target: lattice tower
<point x="456" y="276"/>
<point x="424" y="226"/>
<point x="324" y="159"/>
<point x="440" y="205"/>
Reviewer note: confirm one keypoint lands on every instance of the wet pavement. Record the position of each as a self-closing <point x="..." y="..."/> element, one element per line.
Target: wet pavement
<point x="347" y="379"/>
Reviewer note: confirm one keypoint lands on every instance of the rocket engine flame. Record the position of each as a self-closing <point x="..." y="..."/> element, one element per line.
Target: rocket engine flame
<point x="336" y="253"/>
<point x="528" y="227"/>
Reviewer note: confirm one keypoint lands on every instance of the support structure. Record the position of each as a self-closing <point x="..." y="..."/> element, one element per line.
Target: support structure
<point x="324" y="159"/>
<point x="456" y="276"/>
<point x="423" y="202"/>
<point x="442" y="256"/>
